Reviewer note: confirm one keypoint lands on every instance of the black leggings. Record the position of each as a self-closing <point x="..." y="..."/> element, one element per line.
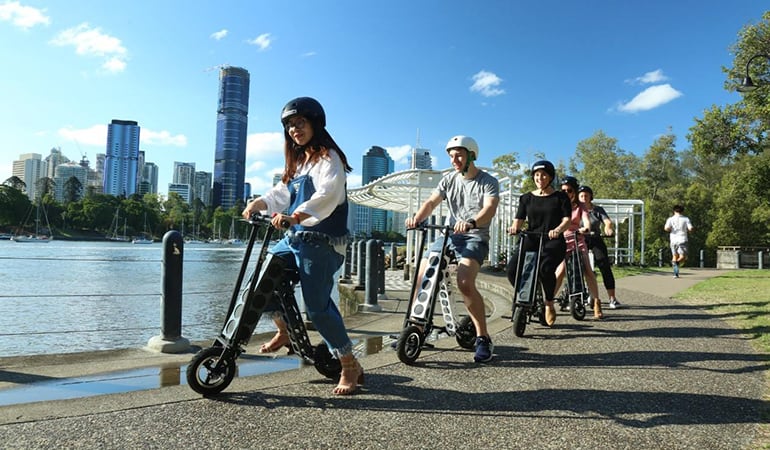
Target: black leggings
<point x="602" y="260"/>
<point x="554" y="251"/>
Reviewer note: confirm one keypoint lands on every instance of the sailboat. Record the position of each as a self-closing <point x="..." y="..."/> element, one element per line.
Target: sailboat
<point x="216" y="231"/>
<point x="115" y="237"/>
<point x="37" y="237"/>
<point x="194" y="240"/>
<point x="145" y="238"/>
<point x="233" y="240"/>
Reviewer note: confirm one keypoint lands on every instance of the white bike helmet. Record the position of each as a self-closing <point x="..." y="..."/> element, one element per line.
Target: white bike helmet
<point x="465" y="142"/>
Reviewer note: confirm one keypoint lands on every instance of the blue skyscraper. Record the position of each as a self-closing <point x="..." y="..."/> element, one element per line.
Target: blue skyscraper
<point x="230" y="151"/>
<point x="121" y="160"/>
<point x="376" y="163"/>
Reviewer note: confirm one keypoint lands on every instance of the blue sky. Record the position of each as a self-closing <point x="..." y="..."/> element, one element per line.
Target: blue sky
<point x="517" y="76"/>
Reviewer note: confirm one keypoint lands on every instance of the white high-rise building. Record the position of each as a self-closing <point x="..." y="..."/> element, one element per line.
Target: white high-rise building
<point x="29" y="168"/>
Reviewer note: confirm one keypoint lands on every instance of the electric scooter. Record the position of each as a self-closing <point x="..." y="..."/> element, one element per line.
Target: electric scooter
<point x="574" y="295"/>
<point x="434" y="286"/>
<point x="528" y="301"/>
<point x="212" y="369"/>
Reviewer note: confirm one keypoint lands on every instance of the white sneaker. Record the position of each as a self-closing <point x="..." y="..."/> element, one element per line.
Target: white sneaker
<point x="614" y="303"/>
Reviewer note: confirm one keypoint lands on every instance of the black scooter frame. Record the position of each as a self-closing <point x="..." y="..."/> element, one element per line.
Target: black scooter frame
<point x="434" y="285"/>
<point x="212" y="369"/>
<point x="528" y="299"/>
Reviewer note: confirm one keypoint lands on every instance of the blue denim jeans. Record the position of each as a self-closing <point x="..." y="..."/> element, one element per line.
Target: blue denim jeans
<point x="317" y="262"/>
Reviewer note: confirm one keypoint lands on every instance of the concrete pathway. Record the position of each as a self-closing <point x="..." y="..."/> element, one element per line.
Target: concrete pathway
<point x="655" y="374"/>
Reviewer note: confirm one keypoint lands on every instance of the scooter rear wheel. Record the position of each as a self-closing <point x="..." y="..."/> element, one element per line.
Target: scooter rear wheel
<point x="465" y="333"/>
<point x="325" y="364"/>
<point x="409" y="344"/>
<point x="203" y="375"/>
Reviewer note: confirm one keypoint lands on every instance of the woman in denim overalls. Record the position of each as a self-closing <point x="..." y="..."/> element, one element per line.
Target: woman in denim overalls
<point x="313" y="192"/>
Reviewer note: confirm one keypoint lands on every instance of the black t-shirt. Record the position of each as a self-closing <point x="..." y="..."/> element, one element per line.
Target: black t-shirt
<point x="543" y="213"/>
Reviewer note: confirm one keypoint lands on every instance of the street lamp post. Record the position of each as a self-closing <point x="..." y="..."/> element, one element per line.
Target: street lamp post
<point x="747" y="85"/>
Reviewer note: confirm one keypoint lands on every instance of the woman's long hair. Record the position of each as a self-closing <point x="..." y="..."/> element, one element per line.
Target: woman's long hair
<point x="318" y="147"/>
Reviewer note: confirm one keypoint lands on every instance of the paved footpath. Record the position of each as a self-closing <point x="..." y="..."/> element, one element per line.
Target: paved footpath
<point x="656" y="374"/>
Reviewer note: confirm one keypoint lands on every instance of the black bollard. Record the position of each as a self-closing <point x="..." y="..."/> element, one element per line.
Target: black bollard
<point x="360" y="265"/>
<point x="370" y="271"/>
<point x="345" y="277"/>
<point x="380" y="258"/>
<point x="393" y="256"/>
<point x="170" y="339"/>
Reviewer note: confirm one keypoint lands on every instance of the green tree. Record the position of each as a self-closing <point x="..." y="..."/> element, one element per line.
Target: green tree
<point x="16" y="183"/>
<point x="600" y="163"/>
<point x="13" y="206"/>
<point x="72" y="189"/>
<point x="45" y="188"/>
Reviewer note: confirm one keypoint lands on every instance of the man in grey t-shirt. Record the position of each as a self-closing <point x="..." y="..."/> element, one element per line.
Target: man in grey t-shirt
<point x="472" y="196"/>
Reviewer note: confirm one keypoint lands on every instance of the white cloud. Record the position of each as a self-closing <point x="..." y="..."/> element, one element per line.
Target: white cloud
<point x="309" y="54"/>
<point x="265" y="146"/>
<point x="23" y="16"/>
<point x="161" y="138"/>
<point x="656" y="76"/>
<point x="650" y="98"/>
<point x="487" y="84"/>
<point x="264" y="158"/>
<point x="95" y="135"/>
<point x="400" y="154"/>
<point x="89" y="41"/>
<point x="262" y="41"/>
<point x="354" y="180"/>
<point x="114" y="65"/>
<point x="219" y="35"/>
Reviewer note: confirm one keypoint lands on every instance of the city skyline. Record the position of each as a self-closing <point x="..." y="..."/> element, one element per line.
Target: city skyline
<point x="517" y="77"/>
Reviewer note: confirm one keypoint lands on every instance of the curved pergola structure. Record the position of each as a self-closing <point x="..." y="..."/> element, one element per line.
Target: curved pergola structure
<point x="406" y="190"/>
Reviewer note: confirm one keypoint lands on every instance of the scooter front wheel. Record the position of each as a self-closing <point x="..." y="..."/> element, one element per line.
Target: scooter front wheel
<point x="466" y="333"/>
<point x="577" y="307"/>
<point x="519" y="320"/>
<point x="211" y="371"/>
<point x="409" y="344"/>
<point x="325" y="363"/>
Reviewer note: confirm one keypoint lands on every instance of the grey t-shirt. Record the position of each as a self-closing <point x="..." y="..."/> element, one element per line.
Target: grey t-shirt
<point x="465" y="198"/>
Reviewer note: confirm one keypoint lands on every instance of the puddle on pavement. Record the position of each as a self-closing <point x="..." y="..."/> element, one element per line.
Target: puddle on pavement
<point x="158" y="377"/>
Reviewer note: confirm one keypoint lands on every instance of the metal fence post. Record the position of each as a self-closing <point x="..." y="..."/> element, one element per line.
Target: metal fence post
<point x="170" y="339"/>
<point x="702" y="256"/>
<point x="393" y="256"/>
<point x="760" y="262"/>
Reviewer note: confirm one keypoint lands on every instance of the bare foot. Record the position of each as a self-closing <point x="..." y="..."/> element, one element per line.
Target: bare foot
<point x="280" y="339"/>
<point x="351" y="376"/>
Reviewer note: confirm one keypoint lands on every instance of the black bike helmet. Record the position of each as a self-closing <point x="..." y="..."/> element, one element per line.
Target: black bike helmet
<point x="570" y="181"/>
<point x="543" y="165"/>
<point x="588" y="189"/>
<point x="306" y="107"/>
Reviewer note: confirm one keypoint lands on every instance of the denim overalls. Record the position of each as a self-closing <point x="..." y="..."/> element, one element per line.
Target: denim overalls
<point x="310" y="250"/>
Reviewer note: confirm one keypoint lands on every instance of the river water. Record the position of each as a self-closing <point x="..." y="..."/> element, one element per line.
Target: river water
<point x="65" y="296"/>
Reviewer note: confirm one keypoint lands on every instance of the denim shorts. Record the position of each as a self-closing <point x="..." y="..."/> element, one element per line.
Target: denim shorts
<point x="469" y="246"/>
